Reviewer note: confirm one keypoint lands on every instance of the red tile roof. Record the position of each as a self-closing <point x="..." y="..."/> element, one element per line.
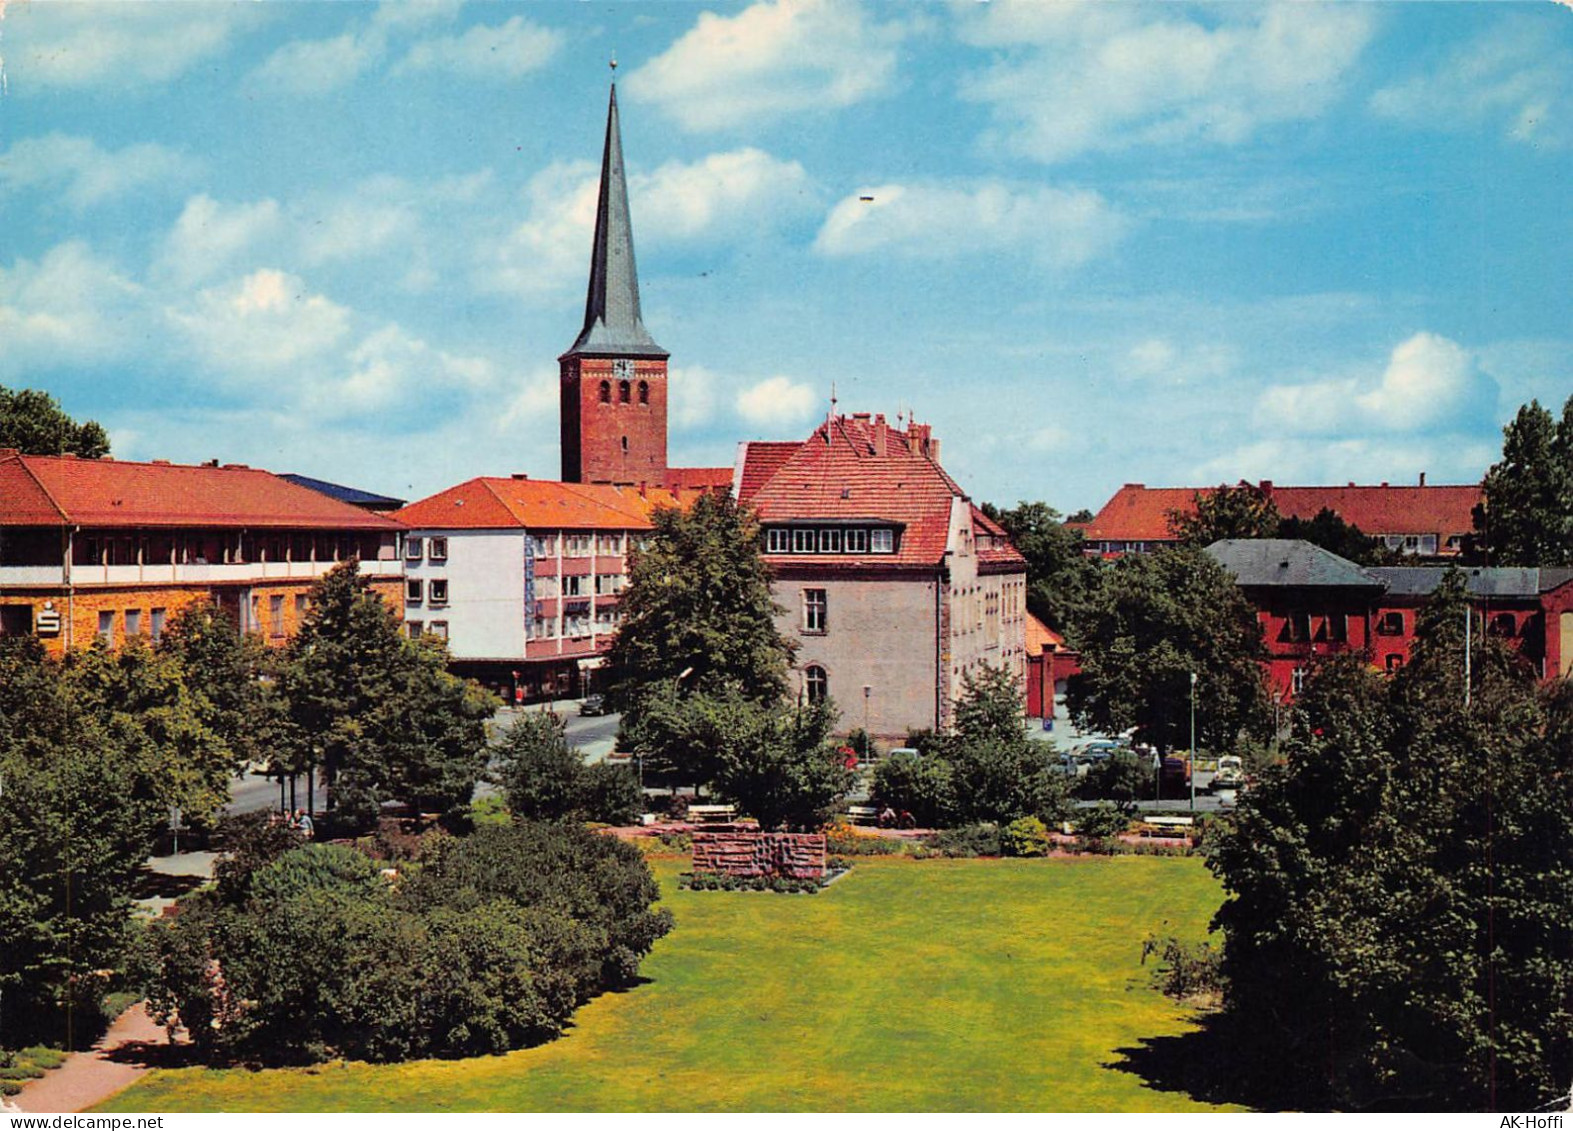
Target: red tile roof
<point x="489" y="503"/>
<point x="1041" y="638"/>
<point x="1138" y="513"/>
<point x="699" y="478"/>
<point x="860" y="468"/>
<point x="67" y="491"/>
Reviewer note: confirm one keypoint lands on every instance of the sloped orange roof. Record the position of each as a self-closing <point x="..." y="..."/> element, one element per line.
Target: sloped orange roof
<point x="1138" y="513"/>
<point x="762" y="459"/>
<point x="65" y="490"/>
<point x="492" y="503"/>
<point x="1041" y="638"/>
<point x="699" y="478"/>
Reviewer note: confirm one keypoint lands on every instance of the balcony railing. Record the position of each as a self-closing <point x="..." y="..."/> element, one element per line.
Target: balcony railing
<point x="189" y="573"/>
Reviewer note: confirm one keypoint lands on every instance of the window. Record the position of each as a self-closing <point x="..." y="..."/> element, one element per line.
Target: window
<point x="413" y="590"/>
<point x="606" y="392"/>
<point x="815" y="610"/>
<point x="1394" y="662"/>
<point x="544" y="628"/>
<point x="830" y="541"/>
<point x="276" y="614"/>
<point x="644" y="392"/>
<point x="882" y="541"/>
<point x="625" y="445"/>
<point x="778" y="541"/>
<point x="1297" y="680"/>
<point x="816" y="683"/>
<point x="300" y="606"/>
<point x="412" y="549"/>
<point x="609" y="544"/>
<point x="439" y="629"/>
<point x="158" y="624"/>
<point x="802" y="541"/>
<point x="133" y="623"/>
<point x="573" y="586"/>
<point x="106" y="627"/>
<point x="857" y="541"/>
<point x="1390" y="624"/>
<point x="438" y="550"/>
<point x="438" y="592"/>
<point x="255" y="624"/>
<point x="1503" y="624"/>
<point x="412" y="629"/>
<point x="622" y="392"/>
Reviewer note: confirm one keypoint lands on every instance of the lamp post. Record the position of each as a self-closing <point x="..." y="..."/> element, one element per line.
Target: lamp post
<point x="1192" y="773"/>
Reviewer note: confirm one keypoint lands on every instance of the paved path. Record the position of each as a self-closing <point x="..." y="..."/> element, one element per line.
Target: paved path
<point x="88" y="1078"/>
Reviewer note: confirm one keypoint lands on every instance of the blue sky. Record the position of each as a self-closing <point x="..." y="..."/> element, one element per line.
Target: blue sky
<point x="1107" y="243"/>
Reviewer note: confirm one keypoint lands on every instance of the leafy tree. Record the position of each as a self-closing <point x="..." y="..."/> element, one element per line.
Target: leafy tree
<point x="998" y="773"/>
<point x="1329" y="531"/>
<point x="77" y="827"/>
<point x="378" y="711"/>
<point x="1526" y="516"/>
<point x="1398" y="916"/>
<point x="920" y="784"/>
<point x="1154" y="620"/>
<point x="781" y="767"/>
<point x="1123" y="777"/>
<point x="1242" y="511"/>
<point x="1060" y="577"/>
<point x="544" y="778"/>
<point x="33" y="422"/>
<point x="232" y="678"/>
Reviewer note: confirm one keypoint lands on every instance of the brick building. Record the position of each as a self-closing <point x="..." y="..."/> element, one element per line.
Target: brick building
<point x="109" y="549"/>
<point x="892" y="580"/>
<point x="522" y="576"/>
<point x="1312" y="603"/>
<point x="1425" y="521"/>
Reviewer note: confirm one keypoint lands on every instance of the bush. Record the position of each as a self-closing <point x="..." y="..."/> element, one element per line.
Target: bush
<point x="721" y="881"/>
<point x="1025" y="836"/>
<point x="545" y="779"/>
<point x="1185" y="971"/>
<point x="1124" y="777"/>
<point x="969" y="840"/>
<point x="1102" y="822"/>
<point x="920" y="784"/>
<point x="842" y="839"/>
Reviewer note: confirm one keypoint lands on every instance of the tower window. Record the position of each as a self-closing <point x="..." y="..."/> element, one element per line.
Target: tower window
<point x="644" y="392"/>
<point x="625" y="445"/>
<point x="622" y="392"/>
<point x="606" y="392"/>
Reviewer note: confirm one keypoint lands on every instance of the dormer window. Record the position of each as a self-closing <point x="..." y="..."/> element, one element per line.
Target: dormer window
<point x="882" y="541"/>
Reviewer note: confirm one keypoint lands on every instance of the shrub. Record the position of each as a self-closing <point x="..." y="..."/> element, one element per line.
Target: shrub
<point x="545" y="779"/>
<point x="1025" y="836"/>
<point x="845" y="840"/>
<point x="1102" y="822"/>
<point x="920" y="784"/>
<point x="969" y="840"/>
<point x="1182" y="970"/>
<point x="490" y="810"/>
<point x="721" y="881"/>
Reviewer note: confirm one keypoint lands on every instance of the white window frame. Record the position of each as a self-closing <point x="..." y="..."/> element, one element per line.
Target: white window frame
<point x="809" y="682"/>
<point x="778" y="540"/>
<point x="882" y="541"/>
<point x="829" y="541"/>
<point x="857" y="541"/>
<point x="816" y="611"/>
<point x="802" y="541"/>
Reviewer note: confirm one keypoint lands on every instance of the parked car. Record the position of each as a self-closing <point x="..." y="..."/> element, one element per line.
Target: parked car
<point x="594" y="705"/>
<point x="1231" y="772"/>
<point x="1176" y="771"/>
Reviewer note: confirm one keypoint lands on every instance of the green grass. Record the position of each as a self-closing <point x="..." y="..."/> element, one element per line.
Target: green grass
<point x="952" y="985"/>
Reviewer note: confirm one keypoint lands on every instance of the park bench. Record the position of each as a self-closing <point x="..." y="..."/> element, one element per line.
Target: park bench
<point x="1166" y="826"/>
<point x="862" y="814"/>
<point x="704" y="814"/>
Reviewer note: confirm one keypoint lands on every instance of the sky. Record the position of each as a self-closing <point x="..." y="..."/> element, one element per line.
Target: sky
<point x="1090" y="244"/>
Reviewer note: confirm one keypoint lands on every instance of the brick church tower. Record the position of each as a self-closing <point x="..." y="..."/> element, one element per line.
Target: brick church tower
<point x="613" y="379"/>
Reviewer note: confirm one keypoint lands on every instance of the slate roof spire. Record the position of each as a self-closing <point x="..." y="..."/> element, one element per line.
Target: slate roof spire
<point x="612" y="324"/>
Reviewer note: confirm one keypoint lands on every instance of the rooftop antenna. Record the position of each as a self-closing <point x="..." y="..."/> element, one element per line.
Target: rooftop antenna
<point x="831" y="416"/>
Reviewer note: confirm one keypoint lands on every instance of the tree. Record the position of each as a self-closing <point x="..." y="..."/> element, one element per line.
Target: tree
<point x="544" y="778"/>
<point x="1526" y="515"/>
<point x="232" y="678"/>
<point x="920" y="784"/>
<point x="378" y="711"/>
<point x="33" y="422"/>
<point x="998" y="773"/>
<point x="780" y="765"/>
<point x="1398" y="916"/>
<point x="1154" y="620"/>
<point x="1329" y="531"/>
<point x="1243" y="511"/>
<point x="1060" y="577"/>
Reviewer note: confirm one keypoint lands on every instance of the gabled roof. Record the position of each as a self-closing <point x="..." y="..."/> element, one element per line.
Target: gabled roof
<point x="100" y="493"/>
<point x="354" y="496"/>
<point x="758" y="460"/>
<point x="489" y="503"/>
<point x="1138" y="513"/>
<point x="612" y="323"/>
<point x="1481" y="581"/>
<point x="698" y="478"/>
<point x="1041" y="638"/>
<point x="1288" y="562"/>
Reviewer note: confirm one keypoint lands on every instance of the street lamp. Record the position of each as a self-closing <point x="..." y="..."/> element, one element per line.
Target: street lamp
<point x="1192" y="774"/>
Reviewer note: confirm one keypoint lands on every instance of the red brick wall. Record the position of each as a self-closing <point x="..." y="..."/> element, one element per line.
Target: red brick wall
<point x="749" y="852"/>
<point x="594" y="431"/>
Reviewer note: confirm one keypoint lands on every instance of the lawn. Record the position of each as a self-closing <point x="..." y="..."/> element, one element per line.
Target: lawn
<point x="950" y="985"/>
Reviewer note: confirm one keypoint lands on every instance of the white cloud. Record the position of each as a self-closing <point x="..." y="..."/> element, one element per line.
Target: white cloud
<point x="84" y="173"/>
<point x="1076" y="78"/>
<point x="70" y="307"/>
<point x="508" y="51"/>
<point x="771" y="60"/>
<point x="552" y="246"/>
<point x="1430" y="385"/>
<point x="265" y="326"/>
<point x="310" y="67"/>
<point x="776" y="401"/>
<point x="691" y="390"/>
<point x="1451" y="459"/>
<point x="724" y="193"/>
<point x="353" y="226"/>
<point x="1516" y="78"/>
<point x="54" y="46"/>
<point x="209" y="236"/>
<point x="1061" y="227"/>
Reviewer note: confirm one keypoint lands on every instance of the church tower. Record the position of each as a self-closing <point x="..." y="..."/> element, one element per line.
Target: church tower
<point x="613" y="379"/>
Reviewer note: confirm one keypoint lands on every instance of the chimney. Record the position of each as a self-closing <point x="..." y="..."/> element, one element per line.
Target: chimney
<point x="1266" y="486"/>
<point x="1422" y="479"/>
<point x="520" y="475"/>
<point x="881" y="434"/>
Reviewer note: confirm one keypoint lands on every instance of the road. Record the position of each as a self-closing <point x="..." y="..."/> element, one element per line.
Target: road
<point x="596" y="736"/>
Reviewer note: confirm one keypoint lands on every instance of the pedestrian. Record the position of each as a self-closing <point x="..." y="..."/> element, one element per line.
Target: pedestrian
<point x="303" y="825"/>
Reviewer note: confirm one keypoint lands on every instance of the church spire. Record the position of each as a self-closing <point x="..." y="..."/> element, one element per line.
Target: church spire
<point x="612" y="325"/>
